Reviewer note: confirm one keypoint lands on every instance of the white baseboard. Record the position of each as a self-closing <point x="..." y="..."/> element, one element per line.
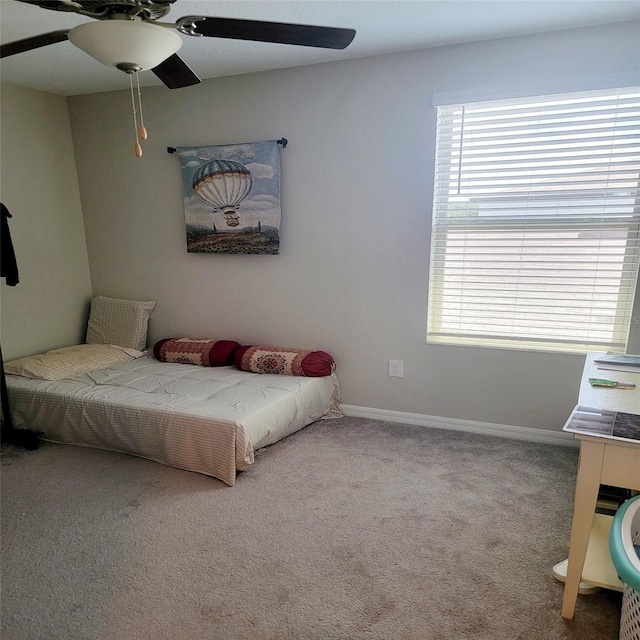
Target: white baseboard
<point x="487" y="428"/>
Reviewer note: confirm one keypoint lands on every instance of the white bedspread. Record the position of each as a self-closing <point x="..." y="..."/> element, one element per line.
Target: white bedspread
<point x="203" y="419"/>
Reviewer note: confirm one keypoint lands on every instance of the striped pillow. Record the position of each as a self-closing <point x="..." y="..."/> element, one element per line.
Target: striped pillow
<point x="69" y="362"/>
<point x="120" y="322"/>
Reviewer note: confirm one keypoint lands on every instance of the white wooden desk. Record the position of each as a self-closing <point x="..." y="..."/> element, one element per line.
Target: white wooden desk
<point x="603" y="460"/>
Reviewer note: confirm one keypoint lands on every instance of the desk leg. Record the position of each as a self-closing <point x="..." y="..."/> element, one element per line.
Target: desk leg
<point x="587" y="486"/>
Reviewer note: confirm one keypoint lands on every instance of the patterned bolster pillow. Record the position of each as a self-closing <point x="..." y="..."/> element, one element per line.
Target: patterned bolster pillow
<point x="206" y="353"/>
<point x="288" y="362"/>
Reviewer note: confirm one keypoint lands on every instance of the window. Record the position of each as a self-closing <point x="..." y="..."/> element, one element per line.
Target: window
<point x="536" y="221"/>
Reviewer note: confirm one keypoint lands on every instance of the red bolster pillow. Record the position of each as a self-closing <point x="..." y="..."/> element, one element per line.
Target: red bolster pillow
<point x="288" y="362"/>
<point x="206" y="353"/>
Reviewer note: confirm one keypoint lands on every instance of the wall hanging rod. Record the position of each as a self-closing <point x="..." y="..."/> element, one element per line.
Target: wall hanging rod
<point x="282" y="141"/>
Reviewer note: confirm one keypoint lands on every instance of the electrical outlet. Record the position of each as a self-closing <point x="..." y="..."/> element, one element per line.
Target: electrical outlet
<point x="396" y="368"/>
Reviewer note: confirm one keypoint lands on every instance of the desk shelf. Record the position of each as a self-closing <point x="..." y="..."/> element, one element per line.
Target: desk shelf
<point x="598" y="570"/>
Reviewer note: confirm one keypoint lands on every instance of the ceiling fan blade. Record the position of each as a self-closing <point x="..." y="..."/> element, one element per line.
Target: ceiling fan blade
<point x="175" y="73"/>
<point x="20" y="46"/>
<point x="280" y="32"/>
<point x="57" y="5"/>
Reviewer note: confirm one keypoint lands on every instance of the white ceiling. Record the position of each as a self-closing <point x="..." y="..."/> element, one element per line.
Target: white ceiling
<point x="382" y="26"/>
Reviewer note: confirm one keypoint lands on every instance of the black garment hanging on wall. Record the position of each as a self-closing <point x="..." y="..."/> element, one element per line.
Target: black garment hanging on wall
<point x="8" y="266"/>
<point x="9" y="271"/>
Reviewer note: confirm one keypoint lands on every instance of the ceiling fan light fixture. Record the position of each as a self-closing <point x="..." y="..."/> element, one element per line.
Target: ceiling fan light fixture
<point x="126" y="42"/>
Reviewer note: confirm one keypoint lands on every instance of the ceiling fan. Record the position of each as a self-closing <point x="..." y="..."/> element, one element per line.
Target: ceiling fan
<point x="129" y="37"/>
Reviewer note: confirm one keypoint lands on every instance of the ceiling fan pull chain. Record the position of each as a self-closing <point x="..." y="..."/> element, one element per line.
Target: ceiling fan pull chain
<point x="143" y="131"/>
<point x="135" y="119"/>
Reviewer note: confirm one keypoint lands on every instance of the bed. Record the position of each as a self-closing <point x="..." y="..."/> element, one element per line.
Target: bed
<point x="210" y="420"/>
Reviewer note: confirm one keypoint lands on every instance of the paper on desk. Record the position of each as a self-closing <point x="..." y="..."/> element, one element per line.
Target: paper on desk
<point x="626" y="359"/>
<point x="604" y="423"/>
<point x="619" y="367"/>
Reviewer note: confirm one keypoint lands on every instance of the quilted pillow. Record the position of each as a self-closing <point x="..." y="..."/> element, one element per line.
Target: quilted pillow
<point x="69" y="362"/>
<point x="288" y="362"/>
<point x="206" y="353"/>
<point x="118" y="321"/>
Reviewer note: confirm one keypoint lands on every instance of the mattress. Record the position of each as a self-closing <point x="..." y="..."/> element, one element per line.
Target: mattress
<point x="203" y="419"/>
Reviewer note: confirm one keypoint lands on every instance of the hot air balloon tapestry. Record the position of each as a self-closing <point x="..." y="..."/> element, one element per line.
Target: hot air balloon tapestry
<point x="232" y="198"/>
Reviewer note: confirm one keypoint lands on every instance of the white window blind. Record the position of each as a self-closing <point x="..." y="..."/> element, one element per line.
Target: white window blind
<point x="536" y="220"/>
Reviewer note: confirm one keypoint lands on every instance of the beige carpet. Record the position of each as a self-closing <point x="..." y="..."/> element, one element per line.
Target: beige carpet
<point x="349" y="529"/>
